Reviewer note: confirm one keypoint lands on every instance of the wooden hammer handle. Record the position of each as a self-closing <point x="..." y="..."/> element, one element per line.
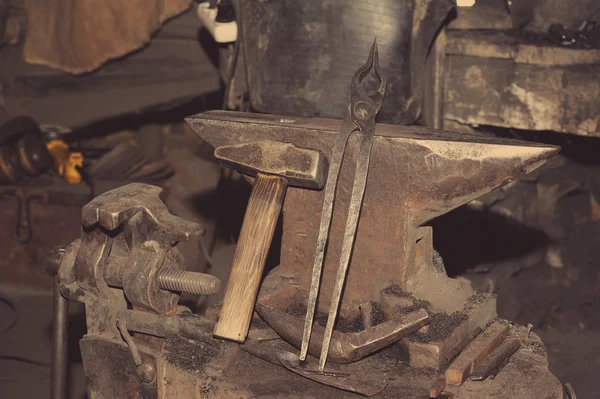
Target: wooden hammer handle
<point x="250" y="256"/>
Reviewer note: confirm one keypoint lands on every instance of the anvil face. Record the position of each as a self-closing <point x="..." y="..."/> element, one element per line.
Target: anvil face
<point x="415" y="175"/>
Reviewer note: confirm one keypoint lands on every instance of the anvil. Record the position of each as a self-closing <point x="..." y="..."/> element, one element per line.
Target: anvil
<point x="415" y="175"/>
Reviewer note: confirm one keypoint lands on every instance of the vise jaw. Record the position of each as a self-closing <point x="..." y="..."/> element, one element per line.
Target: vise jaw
<point x="128" y="237"/>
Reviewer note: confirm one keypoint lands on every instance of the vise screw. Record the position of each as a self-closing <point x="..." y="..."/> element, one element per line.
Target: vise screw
<point x="127" y="271"/>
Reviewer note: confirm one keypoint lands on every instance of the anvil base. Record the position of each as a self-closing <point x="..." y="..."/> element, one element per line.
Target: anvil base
<point x="432" y="347"/>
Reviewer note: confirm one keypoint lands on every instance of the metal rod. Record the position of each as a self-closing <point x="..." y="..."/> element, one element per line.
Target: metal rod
<point x="122" y="326"/>
<point x="330" y="187"/>
<point x="358" y="192"/>
<point x="361" y="115"/>
<point x="183" y="323"/>
<point x="168" y="279"/>
<point x="60" y="327"/>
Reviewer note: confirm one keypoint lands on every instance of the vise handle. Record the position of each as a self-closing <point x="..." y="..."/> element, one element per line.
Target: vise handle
<point x="275" y="166"/>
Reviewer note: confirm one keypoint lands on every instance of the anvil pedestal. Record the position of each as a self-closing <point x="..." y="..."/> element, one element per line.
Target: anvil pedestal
<point x="415" y="175"/>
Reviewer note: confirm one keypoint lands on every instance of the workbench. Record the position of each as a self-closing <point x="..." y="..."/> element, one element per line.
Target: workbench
<point x="514" y="79"/>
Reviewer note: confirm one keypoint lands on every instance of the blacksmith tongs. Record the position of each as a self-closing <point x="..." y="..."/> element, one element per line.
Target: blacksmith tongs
<point x="360" y="117"/>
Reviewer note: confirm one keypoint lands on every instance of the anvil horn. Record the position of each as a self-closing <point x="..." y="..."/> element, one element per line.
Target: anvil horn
<point x="447" y="174"/>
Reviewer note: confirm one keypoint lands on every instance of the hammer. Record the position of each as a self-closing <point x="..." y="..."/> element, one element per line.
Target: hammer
<point x="275" y="165"/>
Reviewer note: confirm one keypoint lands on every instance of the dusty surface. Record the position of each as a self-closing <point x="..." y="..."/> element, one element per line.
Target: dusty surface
<point x="440" y="326"/>
<point x="249" y="376"/>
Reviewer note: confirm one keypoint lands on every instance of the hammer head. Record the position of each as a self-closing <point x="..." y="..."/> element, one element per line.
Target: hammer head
<point x="301" y="167"/>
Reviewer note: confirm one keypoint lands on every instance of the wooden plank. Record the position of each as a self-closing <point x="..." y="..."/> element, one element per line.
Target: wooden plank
<point x="251" y="252"/>
<point x="495" y="360"/>
<point x="523" y="49"/>
<point x="173" y="382"/>
<point x="436" y="354"/>
<point x="500" y="92"/>
<point x="475" y="353"/>
<point x="437" y="388"/>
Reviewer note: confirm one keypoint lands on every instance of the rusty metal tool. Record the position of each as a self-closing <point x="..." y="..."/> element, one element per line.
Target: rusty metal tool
<point x="275" y="165"/>
<point x="346" y="347"/>
<point x="360" y="117"/>
<point x="127" y="270"/>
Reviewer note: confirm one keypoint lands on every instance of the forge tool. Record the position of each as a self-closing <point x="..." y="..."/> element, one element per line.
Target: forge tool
<point x="360" y="117"/>
<point x="275" y="165"/>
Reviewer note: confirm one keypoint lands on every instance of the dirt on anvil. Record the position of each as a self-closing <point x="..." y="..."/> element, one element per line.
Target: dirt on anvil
<point x="395" y="289"/>
<point x="378" y="314"/>
<point x="441" y="325"/>
<point x="394" y="353"/>
<point x="478" y="297"/>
